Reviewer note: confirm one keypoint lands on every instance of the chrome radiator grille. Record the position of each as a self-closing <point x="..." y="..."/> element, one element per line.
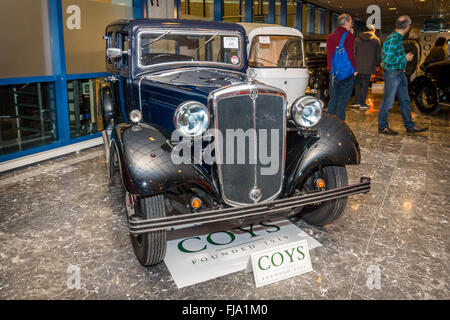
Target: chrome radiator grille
<point x="246" y="179"/>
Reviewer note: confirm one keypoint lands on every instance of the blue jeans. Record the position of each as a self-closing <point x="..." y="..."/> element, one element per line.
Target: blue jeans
<point x="395" y="82"/>
<point x="340" y="94"/>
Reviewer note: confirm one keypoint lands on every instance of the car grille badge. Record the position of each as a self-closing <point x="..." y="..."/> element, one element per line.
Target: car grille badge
<point x="255" y="194"/>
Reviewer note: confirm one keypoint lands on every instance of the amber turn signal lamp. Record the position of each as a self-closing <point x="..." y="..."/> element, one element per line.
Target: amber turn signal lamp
<point x="196" y="203"/>
<point x="320" y="183"/>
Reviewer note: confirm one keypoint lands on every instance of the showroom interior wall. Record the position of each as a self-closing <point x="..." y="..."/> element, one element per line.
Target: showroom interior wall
<point x="53" y="62"/>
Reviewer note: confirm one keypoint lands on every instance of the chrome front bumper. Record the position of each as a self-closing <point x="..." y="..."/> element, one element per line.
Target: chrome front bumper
<point x="270" y="208"/>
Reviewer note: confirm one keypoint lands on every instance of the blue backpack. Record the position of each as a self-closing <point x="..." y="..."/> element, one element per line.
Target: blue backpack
<point x="341" y="67"/>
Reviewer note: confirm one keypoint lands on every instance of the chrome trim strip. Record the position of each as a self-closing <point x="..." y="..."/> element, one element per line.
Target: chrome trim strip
<point x="140" y="95"/>
<point x="189" y="31"/>
<point x="254" y="96"/>
<point x="277" y="206"/>
<point x="246" y="88"/>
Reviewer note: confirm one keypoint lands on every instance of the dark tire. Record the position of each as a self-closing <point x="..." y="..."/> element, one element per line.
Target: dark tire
<point x="150" y="247"/>
<point x="426" y="98"/>
<point x="328" y="211"/>
<point x="324" y="95"/>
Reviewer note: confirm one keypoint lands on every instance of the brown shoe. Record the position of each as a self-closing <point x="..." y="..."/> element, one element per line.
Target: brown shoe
<point x="415" y="130"/>
<point x="388" y="131"/>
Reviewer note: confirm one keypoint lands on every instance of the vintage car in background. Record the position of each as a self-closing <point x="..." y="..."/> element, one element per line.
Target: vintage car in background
<point x="423" y="41"/>
<point x="431" y="91"/>
<point x="178" y="83"/>
<point x="316" y="61"/>
<point x="276" y="55"/>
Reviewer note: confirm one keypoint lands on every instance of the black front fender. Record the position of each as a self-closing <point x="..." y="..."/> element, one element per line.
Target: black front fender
<point x="145" y="162"/>
<point x="334" y="144"/>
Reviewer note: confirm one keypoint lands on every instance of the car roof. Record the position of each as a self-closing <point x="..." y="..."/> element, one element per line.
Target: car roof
<point x="254" y="29"/>
<point x="181" y="23"/>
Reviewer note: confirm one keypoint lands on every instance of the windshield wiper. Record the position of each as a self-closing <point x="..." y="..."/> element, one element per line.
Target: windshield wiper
<point x="154" y="40"/>
<point x="209" y="40"/>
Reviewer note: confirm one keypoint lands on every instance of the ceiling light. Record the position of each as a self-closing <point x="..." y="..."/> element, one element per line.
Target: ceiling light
<point x="392" y="9"/>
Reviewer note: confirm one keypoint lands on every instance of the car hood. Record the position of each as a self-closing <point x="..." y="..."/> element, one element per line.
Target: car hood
<point x="160" y="93"/>
<point x="196" y="81"/>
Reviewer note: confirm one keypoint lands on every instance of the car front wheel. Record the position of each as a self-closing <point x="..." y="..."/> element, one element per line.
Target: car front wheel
<point x="427" y="100"/>
<point x="325" y="212"/>
<point x="149" y="247"/>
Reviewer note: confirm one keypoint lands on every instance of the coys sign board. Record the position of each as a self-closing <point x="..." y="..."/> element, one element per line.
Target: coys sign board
<point x="201" y="253"/>
<point x="286" y="261"/>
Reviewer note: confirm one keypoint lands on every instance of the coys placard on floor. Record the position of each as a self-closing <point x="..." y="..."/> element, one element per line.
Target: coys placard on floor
<point x="199" y="254"/>
<point x="279" y="263"/>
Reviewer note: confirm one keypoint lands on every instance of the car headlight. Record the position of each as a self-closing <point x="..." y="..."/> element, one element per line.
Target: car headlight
<point x="306" y="111"/>
<point x="191" y="118"/>
<point x="135" y="116"/>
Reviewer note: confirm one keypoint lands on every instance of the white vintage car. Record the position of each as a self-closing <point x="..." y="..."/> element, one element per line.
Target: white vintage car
<point x="277" y="56"/>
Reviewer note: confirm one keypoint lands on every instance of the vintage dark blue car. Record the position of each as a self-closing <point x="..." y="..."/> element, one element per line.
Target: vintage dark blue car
<point x="197" y="140"/>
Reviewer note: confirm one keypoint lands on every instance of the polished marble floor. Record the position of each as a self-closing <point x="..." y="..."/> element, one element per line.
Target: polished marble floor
<point x="65" y="212"/>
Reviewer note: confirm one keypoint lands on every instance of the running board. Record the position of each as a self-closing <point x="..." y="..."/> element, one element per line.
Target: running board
<point x="262" y="209"/>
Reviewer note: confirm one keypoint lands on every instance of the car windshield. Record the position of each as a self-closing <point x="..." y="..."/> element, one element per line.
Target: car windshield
<point x="276" y="51"/>
<point x="173" y="46"/>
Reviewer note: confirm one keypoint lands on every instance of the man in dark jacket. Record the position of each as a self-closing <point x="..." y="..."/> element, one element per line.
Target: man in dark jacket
<point x="368" y="59"/>
<point x="341" y="90"/>
<point x="411" y="44"/>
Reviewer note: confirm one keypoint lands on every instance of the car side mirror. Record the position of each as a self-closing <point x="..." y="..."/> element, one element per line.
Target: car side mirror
<point x="113" y="53"/>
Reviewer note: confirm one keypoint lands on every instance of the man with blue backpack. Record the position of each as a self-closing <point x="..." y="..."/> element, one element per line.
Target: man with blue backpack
<point x="342" y="65"/>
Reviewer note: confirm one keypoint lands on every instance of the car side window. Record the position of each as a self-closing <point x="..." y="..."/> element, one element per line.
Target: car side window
<point x="109" y="44"/>
<point x="118" y="44"/>
<point x="125" y="47"/>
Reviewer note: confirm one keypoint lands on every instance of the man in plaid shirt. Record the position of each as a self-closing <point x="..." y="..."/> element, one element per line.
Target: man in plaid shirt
<point x="395" y="82"/>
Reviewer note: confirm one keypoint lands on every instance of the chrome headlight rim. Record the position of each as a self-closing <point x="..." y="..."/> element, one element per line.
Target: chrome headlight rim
<point x="181" y="109"/>
<point x="298" y="108"/>
<point x="135" y="116"/>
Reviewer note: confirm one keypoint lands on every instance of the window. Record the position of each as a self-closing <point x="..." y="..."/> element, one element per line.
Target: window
<point x="157" y="47"/>
<point x="260" y="11"/>
<point x="276" y="52"/>
<point x="26" y="49"/>
<point x="84" y="47"/>
<point x="233" y="11"/>
<point x="306" y="18"/>
<point x="291" y="15"/>
<point x="317" y="20"/>
<point x="197" y="9"/>
<point x="27" y="116"/>
<point x="125" y="47"/>
<point x="84" y="112"/>
<point x="118" y="44"/>
<point x="278" y="13"/>
<point x="333" y="21"/>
